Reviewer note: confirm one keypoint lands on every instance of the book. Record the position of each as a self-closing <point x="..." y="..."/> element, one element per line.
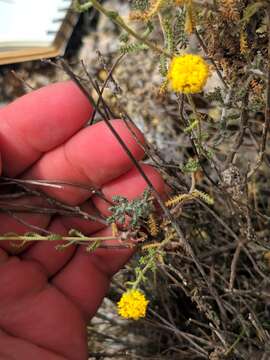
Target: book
<point x="34" y="29"/>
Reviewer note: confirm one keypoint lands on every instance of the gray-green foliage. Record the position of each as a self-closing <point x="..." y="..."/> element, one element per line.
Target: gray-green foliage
<point x="169" y="35"/>
<point x="215" y="95"/>
<point x="128" y="46"/>
<point x="137" y="209"/>
<point x="179" y="35"/>
<point x="163" y="65"/>
<point x="191" y="166"/>
<point x="81" y="7"/>
<point x="139" y="4"/>
<point x="149" y="258"/>
<point x="132" y="48"/>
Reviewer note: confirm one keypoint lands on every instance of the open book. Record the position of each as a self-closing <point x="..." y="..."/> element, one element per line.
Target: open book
<point x="34" y="29"/>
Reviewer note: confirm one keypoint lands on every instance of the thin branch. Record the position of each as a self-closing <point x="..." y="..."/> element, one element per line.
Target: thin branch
<point x="267" y="106"/>
<point x="116" y="18"/>
<point x="201" y="42"/>
<point x="234" y="264"/>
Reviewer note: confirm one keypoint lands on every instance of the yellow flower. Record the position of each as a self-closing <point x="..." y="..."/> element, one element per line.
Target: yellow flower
<point x="188" y="73"/>
<point x="132" y="305"/>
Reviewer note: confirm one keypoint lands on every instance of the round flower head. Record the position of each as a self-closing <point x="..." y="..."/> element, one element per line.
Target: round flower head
<point x="188" y="74"/>
<point x="132" y="305"/>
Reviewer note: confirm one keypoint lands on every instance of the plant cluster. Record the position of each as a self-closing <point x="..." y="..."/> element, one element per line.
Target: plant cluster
<point x="202" y="267"/>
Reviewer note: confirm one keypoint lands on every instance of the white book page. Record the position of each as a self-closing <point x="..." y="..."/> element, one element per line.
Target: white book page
<point x="30" y="22"/>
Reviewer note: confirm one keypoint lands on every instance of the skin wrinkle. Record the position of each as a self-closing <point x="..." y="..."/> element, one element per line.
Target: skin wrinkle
<point x="65" y="265"/>
<point x="6" y="122"/>
<point x="34" y="302"/>
<point x="23" y="342"/>
<point x="16" y="263"/>
<point x="77" y="167"/>
<point x="25" y="139"/>
<point x="76" y="303"/>
<point x="61" y="259"/>
<point x="11" y="310"/>
<point x="94" y="276"/>
<point x="3" y="256"/>
<point x="67" y="295"/>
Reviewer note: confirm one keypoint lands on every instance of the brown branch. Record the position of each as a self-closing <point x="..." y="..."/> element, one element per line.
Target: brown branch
<point x="201" y="42"/>
<point x="241" y="134"/>
<point x="234" y="264"/>
<point x="109" y="76"/>
<point x="267" y="106"/>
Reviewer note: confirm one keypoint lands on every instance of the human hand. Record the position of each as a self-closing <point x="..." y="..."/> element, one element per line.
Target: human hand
<point x="47" y="296"/>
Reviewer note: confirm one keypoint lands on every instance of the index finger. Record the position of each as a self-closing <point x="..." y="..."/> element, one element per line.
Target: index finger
<point x="38" y="122"/>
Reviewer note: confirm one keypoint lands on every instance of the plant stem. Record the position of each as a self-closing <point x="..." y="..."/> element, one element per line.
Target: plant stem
<point x="266" y="124"/>
<point x="210" y="58"/>
<point x="141" y="274"/>
<point x="197" y="118"/>
<point x="232" y="347"/>
<point x="51" y="238"/>
<point x="116" y="18"/>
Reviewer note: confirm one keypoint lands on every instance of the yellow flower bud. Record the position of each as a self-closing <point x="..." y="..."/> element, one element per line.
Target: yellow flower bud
<point x="188" y="74"/>
<point x="132" y="305"/>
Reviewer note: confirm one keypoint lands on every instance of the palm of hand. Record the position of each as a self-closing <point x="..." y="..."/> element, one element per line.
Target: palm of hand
<point x="46" y="297"/>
